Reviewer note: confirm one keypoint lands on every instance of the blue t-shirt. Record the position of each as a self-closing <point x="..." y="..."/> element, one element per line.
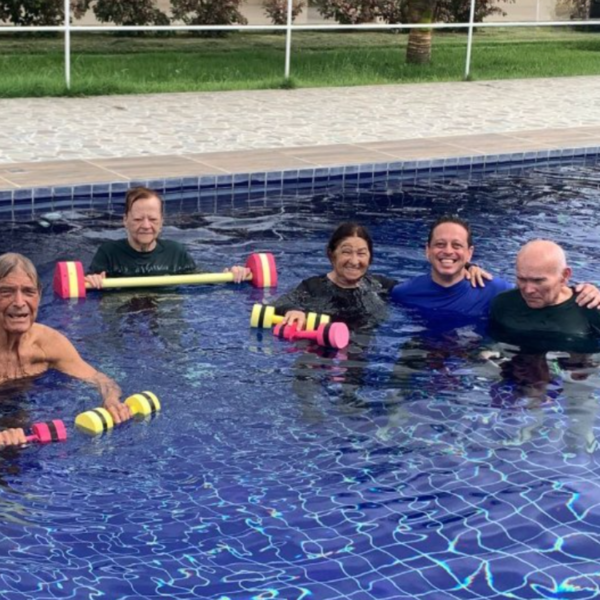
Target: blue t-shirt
<point x="461" y="298"/>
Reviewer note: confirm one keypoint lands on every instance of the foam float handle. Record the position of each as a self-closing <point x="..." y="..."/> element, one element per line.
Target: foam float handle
<point x="329" y="335"/>
<point x="99" y="420"/>
<point x="264" y="316"/>
<point x="69" y="278"/>
<point x="48" y="431"/>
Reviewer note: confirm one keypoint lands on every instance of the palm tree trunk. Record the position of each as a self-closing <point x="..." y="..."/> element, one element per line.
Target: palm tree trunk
<point x="418" y="50"/>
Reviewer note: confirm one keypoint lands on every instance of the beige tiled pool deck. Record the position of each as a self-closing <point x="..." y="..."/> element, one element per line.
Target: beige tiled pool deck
<point x="66" y="141"/>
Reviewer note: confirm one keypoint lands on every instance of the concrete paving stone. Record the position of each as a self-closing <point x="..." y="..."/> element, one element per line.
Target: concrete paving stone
<point x="55" y="173"/>
<point x="321" y="126"/>
<point x="154" y="166"/>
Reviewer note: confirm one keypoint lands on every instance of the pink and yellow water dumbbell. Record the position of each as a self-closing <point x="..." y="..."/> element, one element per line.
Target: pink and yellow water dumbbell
<point x="69" y="278"/>
<point x="328" y="335"/>
<point x="264" y="316"/>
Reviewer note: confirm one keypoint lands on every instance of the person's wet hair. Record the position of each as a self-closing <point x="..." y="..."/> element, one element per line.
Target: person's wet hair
<point x="141" y="193"/>
<point x="346" y="230"/>
<point x="11" y="261"/>
<point x="451" y="219"/>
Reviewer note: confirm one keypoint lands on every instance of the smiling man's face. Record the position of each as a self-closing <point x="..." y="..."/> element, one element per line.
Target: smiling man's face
<point x="448" y="252"/>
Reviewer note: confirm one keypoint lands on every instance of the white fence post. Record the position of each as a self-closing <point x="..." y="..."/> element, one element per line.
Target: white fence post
<point x="288" y="39"/>
<point x="470" y="39"/>
<point x="68" y="43"/>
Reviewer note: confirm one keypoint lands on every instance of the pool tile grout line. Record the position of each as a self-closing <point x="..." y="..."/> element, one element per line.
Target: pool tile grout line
<point x="25" y="203"/>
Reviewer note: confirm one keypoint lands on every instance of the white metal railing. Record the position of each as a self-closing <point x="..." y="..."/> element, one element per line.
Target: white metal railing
<point x="67" y="28"/>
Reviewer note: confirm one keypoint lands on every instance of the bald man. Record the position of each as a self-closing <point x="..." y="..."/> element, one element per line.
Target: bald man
<point x="544" y="312"/>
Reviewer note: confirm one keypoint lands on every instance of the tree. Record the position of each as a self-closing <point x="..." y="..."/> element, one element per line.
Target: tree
<point x="277" y="10"/>
<point x="348" y="12"/>
<point x="37" y="12"/>
<point x="127" y="12"/>
<point x="418" y="49"/>
<point x="422" y="12"/>
<point x="208" y="12"/>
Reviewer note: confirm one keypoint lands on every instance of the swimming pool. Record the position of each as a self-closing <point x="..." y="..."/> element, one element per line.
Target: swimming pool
<point x="403" y="468"/>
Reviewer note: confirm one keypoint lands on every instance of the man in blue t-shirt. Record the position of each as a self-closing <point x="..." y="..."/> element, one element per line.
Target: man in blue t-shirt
<point x="449" y="249"/>
<point x="444" y="289"/>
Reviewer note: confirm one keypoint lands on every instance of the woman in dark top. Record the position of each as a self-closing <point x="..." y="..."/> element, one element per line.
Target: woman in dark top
<point x="348" y="292"/>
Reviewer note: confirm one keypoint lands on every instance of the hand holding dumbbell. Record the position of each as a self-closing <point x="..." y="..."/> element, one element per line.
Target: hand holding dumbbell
<point x="264" y="316"/>
<point x="99" y="420"/>
<point x="42" y="433"/>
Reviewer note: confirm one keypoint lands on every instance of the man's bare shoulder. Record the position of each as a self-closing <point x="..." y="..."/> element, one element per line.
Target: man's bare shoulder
<point x="47" y="339"/>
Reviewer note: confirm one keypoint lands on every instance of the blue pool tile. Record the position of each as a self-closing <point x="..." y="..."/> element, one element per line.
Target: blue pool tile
<point x="137" y="183"/>
<point x="100" y="191"/>
<point x="274" y="182"/>
<point x="103" y="204"/>
<point x="173" y="186"/>
<point x="189" y="205"/>
<point x="207" y="181"/>
<point x="118" y="189"/>
<point x="6" y="212"/>
<point x="290" y="177"/>
<point x="158" y="185"/>
<point x="189" y="183"/>
<point x="23" y="203"/>
<point x="306" y="176"/>
<point x="241" y="183"/>
<point x="42" y="199"/>
<point x="239" y="202"/>
<point x="543" y="154"/>
<point x="350" y="179"/>
<point x="256" y="193"/>
<point x="82" y="196"/>
<point x="224" y="181"/>
<point x="207" y="204"/>
<point x="258" y="180"/>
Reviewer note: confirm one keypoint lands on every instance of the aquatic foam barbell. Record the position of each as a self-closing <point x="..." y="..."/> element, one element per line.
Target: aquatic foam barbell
<point x="264" y="316"/>
<point x="69" y="278"/>
<point x="99" y="420"/>
<point x="329" y="335"/>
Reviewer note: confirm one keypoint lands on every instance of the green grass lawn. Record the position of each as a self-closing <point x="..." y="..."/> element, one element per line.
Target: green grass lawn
<point x="107" y="64"/>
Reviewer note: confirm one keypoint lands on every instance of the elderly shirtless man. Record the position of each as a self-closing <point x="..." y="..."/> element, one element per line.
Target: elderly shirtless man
<point x="28" y="349"/>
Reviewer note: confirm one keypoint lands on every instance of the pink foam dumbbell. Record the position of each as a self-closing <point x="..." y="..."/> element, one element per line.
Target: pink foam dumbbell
<point x="329" y="335"/>
<point x="48" y="431"/>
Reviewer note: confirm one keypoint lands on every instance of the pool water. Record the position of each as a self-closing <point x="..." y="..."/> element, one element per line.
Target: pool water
<point x="403" y="467"/>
